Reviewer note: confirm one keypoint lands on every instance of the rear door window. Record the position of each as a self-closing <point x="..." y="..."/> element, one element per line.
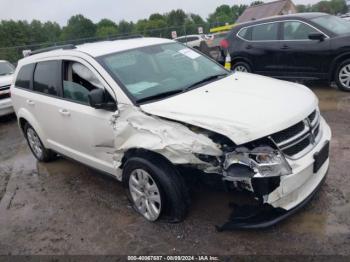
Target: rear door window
<point x="265" y="32"/>
<point x="245" y="33"/>
<point x="24" y="77"/>
<point x="47" y="78"/>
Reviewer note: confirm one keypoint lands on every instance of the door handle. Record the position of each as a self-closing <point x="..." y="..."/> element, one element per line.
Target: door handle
<point x="30" y="102"/>
<point x="248" y="47"/>
<point x="64" y="112"/>
<point x="285" y="47"/>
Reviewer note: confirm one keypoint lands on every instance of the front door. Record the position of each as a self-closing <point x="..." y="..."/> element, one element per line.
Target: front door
<point x="300" y="56"/>
<point x="85" y="132"/>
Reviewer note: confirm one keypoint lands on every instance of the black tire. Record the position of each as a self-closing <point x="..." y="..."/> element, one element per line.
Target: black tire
<point x="47" y="155"/>
<point x="173" y="191"/>
<point x="241" y="64"/>
<point x="337" y="79"/>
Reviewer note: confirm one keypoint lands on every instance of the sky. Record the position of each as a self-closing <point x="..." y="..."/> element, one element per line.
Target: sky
<point x="131" y="10"/>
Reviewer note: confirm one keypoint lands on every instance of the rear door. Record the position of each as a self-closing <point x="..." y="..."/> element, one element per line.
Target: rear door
<point x="44" y="99"/>
<point x="263" y="47"/>
<point x="300" y="56"/>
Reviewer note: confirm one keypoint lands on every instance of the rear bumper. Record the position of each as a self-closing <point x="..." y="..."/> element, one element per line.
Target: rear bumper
<point x="6" y="106"/>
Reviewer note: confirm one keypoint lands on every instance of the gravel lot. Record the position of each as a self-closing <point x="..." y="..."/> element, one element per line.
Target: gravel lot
<point x="66" y="208"/>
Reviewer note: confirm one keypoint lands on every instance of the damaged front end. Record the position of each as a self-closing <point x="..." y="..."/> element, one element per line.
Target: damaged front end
<point x="279" y="184"/>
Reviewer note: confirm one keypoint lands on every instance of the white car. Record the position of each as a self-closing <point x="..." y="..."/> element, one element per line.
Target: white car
<point x="193" y="41"/>
<point x="150" y="111"/>
<point x="6" y="75"/>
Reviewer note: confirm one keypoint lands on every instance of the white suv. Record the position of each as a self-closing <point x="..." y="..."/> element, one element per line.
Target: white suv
<point x="193" y="41"/>
<point x="6" y="75"/>
<point x="150" y="111"/>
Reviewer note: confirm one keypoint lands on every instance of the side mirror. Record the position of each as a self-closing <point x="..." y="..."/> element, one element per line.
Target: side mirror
<point x="100" y="99"/>
<point x="317" y="36"/>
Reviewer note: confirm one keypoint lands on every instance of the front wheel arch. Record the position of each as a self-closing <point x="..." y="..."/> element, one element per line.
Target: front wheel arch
<point x="335" y="64"/>
<point x="168" y="177"/>
<point x="343" y="68"/>
<point x="245" y="60"/>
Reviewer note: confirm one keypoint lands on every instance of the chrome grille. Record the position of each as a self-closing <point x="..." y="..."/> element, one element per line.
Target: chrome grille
<point x="4" y="92"/>
<point x="300" y="138"/>
<point x="4" y="87"/>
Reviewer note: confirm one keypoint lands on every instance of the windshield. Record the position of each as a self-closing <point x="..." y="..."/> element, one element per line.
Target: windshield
<point x="334" y="24"/>
<point x="158" y="71"/>
<point x="6" y="68"/>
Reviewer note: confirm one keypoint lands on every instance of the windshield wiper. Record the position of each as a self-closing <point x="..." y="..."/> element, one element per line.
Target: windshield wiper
<point x="159" y="96"/>
<point x="205" y="80"/>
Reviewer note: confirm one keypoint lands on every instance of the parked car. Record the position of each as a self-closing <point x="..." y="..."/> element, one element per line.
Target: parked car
<point x="305" y="46"/>
<point x="345" y="16"/>
<point x="6" y="74"/>
<point x="191" y="40"/>
<point x="149" y="111"/>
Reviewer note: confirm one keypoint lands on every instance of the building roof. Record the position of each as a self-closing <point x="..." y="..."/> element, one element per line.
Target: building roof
<point x="263" y="10"/>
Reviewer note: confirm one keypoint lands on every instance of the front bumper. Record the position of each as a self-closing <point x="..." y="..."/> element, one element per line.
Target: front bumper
<point x="6" y="106"/>
<point x="295" y="188"/>
<point x="293" y="193"/>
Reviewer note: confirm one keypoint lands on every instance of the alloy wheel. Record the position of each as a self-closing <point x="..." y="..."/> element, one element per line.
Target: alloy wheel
<point x="34" y="143"/>
<point x="241" y="68"/>
<point x="145" y="194"/>
<point x="344" y="76"/>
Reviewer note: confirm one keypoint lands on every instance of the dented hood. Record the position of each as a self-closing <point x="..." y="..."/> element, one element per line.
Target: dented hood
<point x="243" y="106"/>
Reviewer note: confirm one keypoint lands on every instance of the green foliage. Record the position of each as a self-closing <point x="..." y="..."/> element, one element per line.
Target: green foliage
<point x="106" y="28"/>
<point x="226" y="14"/>
<point x="125" y="27"/>
<point x="78" y="27"/>
<point x="18" y="35"/>
<point x="331" y="7"/>
<point x="256" y="3"/>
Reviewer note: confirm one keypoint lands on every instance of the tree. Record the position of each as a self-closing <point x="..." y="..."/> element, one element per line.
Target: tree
<point x="106" y="28"/>
<point x="331" y="7"/>
<point x="52" y="31"/>
<point x="222" y="15"/>
<point x="256" y="3"/>
<point x="126" y="27"/>
<point x="176" y="18"/>
<point x="78" y="27"/>
<point x="156" y="16"/>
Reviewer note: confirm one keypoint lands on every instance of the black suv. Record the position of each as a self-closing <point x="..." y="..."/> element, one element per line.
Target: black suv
<point x="305" y="46"/>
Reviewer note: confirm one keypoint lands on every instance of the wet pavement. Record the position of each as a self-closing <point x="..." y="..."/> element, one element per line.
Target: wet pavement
<point x="66" y="208"/>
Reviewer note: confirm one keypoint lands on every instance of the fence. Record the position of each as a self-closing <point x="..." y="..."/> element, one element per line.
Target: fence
<point x="14" y="53"/>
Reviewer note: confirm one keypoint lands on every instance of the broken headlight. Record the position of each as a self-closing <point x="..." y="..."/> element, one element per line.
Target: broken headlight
<point x="264" y="161"/>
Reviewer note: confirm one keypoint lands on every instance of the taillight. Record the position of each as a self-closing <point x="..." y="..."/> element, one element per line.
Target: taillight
<point x="224" y="44"/>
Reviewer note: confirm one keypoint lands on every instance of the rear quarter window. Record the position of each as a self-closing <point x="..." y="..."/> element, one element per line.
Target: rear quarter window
<point x="47" y="77"/>
<point x="245" y="33"/>
<point x="24" y="76"/>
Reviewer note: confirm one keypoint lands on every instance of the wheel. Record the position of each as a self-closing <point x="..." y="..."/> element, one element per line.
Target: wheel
<point x="36" y="146"/>
<point x="241" y="67"/>
<point x="342" y="76"/>
<point x="155" y="189"/>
